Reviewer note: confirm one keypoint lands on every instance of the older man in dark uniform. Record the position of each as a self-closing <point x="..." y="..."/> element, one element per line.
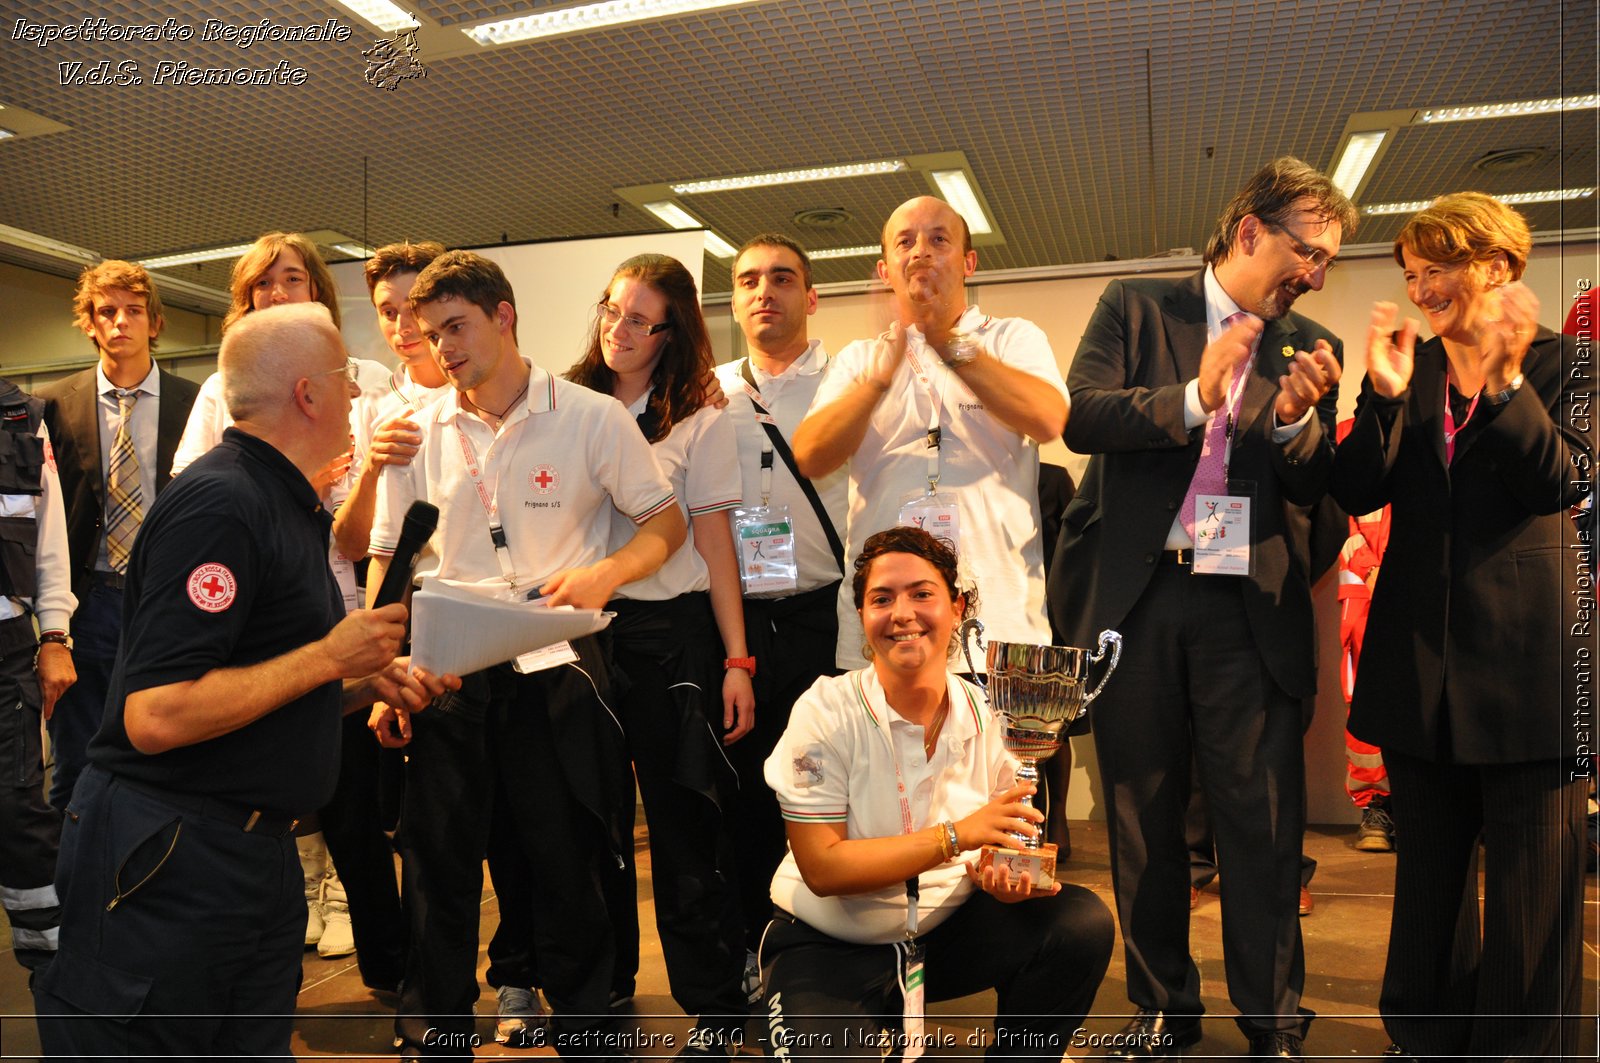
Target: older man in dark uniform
<point x="182" y="901"/>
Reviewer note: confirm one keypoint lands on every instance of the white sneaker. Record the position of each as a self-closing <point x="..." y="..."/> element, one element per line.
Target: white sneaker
<point x="314" y="867"/>
<point x="522" y="1013"/>
<point x="337" y="937"/>
<point x="314" y="924"/>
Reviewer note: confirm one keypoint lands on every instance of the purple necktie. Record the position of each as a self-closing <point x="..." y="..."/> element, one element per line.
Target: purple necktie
<point x="1210" y="473"/>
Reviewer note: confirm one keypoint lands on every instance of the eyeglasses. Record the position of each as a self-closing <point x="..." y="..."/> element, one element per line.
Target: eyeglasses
<point x="1315" y="258"/>
<point x="349" y="369"/>
<point x="610" y="315"/>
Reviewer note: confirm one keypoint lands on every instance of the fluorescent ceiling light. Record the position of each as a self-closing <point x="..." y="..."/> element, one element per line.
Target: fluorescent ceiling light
<point x="46" y="246"/>
<point x="790" y="177"/>
<point x="957" y="191"/>
<point x="353" y="250"/>
<point x="1554" y="195"/>
<point x="6" y="134"/>
<point x="382" y="14"/>
<point x="1359" y="151"/>
<point x="861" y="251"/>
<point x="1472" y="112"/>
<point x="679" y="218"/>
<point x="588" y="17"/>
<point x="674" y="215"/>
<point x="187" y="257"/>
<point x="718" y="247"/>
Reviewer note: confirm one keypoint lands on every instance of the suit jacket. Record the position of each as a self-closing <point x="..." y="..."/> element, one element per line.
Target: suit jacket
<point x="1141" y="347"/>
<point x="72" y="415"/>
<point x="1478" y="647"/>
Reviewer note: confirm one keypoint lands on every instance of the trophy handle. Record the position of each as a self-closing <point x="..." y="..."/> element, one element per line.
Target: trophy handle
<point x="1114" y="641"/>
<point x="965" y="632"/>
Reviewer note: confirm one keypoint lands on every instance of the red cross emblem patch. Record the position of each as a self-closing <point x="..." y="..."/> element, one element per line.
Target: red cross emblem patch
<point x="544" y="479"/>
<point x="212" y="587"/>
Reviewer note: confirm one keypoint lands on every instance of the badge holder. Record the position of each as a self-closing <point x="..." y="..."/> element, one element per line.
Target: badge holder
<point x="1223" y="532"/>
<point x="937" y="514"/>
<point x="765" y="536"/>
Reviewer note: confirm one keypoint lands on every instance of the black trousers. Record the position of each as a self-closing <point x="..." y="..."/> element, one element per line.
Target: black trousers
<point x="1044" y="958"/>
<point x="498" y="734"/>
<point x="30" y="829"/>
<point x="1192" y="685"/>
<point x="1513" y="990"/>
<point x="671" y="654"/>
<point x="793" y="641"/>
<point x="199" y="955"/>
<point x="352" y="824"/>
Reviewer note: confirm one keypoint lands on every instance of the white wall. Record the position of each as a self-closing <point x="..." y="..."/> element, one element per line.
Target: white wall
<point x="1062" y="308"/>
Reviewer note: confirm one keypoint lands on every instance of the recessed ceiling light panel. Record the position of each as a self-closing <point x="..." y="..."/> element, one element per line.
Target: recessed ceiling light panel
<point x="789" y="177"/>
<point x="957" y="191"/>
<point x="587" y="17"/>
<point x="1553" y="195"/>
<point x="1474" y="112"/>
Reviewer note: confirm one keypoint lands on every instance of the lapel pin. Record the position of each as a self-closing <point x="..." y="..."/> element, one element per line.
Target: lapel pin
<point x="1288" y="352"/>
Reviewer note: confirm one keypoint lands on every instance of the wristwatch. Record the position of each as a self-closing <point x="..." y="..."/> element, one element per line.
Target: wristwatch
<point x="960" y="349"/>
<point x="747" y="663"/>
<point x="1500" y="398"/>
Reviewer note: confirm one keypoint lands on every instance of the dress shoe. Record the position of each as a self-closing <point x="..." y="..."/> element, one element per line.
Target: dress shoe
<point x="1276" y="1046"/>
<point x="1397" y="1052"/>
<point x="1154" y="1035"/>
<point x="1194" y="898"/>
<point x="1306" y="903"/>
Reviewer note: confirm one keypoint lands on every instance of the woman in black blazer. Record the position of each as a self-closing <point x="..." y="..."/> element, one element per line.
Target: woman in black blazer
<point x="1472" y="671"/>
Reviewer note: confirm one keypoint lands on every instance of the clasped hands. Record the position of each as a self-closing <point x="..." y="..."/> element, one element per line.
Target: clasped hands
<point x="1311" y="374"/>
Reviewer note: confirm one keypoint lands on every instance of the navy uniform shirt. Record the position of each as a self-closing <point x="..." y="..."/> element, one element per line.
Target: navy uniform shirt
<point x="230" y="569"/>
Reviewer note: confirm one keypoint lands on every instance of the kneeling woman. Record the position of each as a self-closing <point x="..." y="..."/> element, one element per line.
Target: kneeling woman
<point x="886" y="776"/>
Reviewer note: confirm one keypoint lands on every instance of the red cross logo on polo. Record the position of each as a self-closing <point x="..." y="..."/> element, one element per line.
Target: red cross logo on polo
<point x="212" y="587"/>
<point x="544" y="479"/>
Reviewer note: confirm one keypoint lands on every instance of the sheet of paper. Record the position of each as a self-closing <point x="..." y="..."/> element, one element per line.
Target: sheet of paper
<point x="462" y="628"/>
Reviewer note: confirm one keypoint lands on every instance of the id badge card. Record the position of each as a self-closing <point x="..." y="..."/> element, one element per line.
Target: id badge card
<point x="1222" y="532"/>
<point x="344" y="574"/>
<point x="912" y="977"/>
<point x="551" y="656"/>
<point x="937" y="513"/>
<point x="765" y="537"/>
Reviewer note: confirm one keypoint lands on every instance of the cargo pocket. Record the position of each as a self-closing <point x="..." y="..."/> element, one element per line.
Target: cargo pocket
<point x="19" y="543"/>
<point x="95" y="987"/>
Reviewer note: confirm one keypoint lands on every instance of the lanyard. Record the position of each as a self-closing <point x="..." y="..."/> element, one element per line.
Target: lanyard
<point x="1230" y="410"/>
<point x="491" y="508"/>
<point x="763" y="416"/>
<point x="1450" y="427"/>
<point x="935" y="433"/>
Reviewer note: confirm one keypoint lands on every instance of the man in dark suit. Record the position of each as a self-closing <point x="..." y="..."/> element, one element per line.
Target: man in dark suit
<point x="1207" y="406"/>
<point x="119" y="421"/>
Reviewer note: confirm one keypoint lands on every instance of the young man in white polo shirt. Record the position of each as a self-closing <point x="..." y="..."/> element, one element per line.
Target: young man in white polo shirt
<point x="524" y="468"/>
<point x="791" y="630"/>
<point x="986" y="389"/>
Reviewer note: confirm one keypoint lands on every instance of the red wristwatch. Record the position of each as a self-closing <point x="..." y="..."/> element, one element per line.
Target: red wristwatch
<point x="747" y="663"/>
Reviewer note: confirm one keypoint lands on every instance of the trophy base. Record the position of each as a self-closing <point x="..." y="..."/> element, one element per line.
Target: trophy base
<point x="1039" y="863"/>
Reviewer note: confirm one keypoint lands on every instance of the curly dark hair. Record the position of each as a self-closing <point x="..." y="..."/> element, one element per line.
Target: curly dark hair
<point x="686" y="357"/>
<point x="937" y="552"/>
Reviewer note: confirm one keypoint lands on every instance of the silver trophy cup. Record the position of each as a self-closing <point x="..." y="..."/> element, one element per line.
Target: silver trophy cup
<point x="1036" y="691"/>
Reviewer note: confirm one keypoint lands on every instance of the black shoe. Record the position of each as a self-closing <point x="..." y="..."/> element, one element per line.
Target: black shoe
<point x="1395" y="1050"/>
<point x="1154" y="1035"/>
<point x="1276" y="1046"/>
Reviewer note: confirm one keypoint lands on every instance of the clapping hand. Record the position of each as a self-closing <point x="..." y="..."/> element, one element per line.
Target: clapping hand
<point x="1511" y="317"/>
<point x="1310" y="377"/>
<point x="1390" y="353"/>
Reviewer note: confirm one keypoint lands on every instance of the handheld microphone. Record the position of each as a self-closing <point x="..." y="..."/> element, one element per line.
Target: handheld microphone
<point x="421" y="519"/>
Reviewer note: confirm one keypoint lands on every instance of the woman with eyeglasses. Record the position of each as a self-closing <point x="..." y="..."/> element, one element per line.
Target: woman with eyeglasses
<point x="679" y="639"/>
<point x="1471" y="668"/>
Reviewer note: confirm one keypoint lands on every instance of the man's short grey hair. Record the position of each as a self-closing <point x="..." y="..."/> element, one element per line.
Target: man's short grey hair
<point x="264" y="353"/>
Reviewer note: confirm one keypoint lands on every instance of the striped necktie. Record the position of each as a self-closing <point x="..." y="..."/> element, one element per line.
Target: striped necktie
<point x="124" y="495"/>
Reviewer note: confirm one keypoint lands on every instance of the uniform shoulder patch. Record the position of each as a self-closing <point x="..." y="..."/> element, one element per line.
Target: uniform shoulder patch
<point x="807" y="764"/>
<point x="212" y="587"/>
